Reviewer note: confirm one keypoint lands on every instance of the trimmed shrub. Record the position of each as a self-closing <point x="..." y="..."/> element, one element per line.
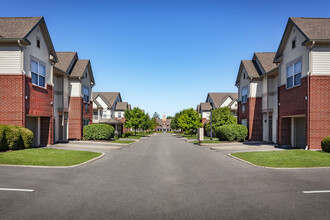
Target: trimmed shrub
<point x="325" y="144"/>
<point x="15" y="137"/>
<point x="231" y="132"/>
<point x="98" y="132"/>
<point x="3" y="139"/>
<point x="27" y="137"/>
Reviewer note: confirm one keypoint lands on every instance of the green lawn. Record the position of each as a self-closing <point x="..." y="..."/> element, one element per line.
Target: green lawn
<point x="216" y="141"/>
<point x="287" y="158"/>
<point x="188" y="136"/>
<point x="138" y="136"/>
<point x="46" y="157"/>
<point x="122" y="141"/>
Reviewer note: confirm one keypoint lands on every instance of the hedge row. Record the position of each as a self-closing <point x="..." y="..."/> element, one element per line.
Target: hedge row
<point x="325" y="144"/>
<point x="231" y="132"/>
<point x="98" y="132"/>
<point x="15" y="137"/>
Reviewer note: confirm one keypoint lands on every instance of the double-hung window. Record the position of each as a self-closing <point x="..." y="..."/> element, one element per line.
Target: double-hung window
<point x="38" y="73"/>
<point x="86" y="94"/>
<point x="293" y="75"/>
<point x="119" y="114"/>
<point x="244" y="95"/>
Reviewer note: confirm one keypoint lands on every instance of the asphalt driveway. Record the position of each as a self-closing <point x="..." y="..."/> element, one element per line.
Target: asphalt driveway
<point x="163" y="177"/>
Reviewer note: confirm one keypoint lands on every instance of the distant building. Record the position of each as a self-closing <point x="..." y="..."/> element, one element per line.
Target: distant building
<point x="164" y="124"/>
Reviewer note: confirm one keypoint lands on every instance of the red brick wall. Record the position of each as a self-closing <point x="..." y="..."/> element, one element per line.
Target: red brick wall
<point x="12" y="100"/>
<point x="319" y="112"/>
<point x="292" y="102"/>
<point x="75" y="117"/>
<point x="39" y="100"/>
<point x="253" y="114"/>
<point x="204" y="121"/>
<point x="88" y="115"/>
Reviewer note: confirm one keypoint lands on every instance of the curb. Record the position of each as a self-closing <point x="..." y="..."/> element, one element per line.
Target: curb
<point x="52" y="167"/>
<point x="276" y="168"/>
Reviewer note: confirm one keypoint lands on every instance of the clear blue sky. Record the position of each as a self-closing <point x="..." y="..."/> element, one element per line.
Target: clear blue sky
<point x="166" y="55"/>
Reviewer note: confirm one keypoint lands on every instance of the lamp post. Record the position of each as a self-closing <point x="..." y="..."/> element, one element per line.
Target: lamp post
<point x="211" y="125"/>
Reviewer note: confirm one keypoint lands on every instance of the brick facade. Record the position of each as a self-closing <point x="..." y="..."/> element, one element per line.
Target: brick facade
<point x="12" y="100"/>
<point x="291" y="102"/>
<point x="20" y="98"/>
<point x="319" y="111"/>
<point x="75" y="117"/>
<point x="253" y="115"/>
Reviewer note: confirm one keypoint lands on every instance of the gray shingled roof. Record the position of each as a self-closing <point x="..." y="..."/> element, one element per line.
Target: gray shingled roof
<point x="218" y="98"/>
<point x="266" y="60"/>
<point x="79" y="68"/>
<point x="314" y="28"/>
<point x="251" y="68"/>
<point x="108" y="97"/>
<point x="64" y="60"/>
<point x="121" y="106"/>
<point x="205" y="106"/>
<point x="17" y="27"/>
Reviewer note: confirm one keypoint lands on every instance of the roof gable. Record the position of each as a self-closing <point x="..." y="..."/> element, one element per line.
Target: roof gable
<point x="80" y="67"/>
<point x="266" y="60"/>
<point x="65" y="60"/>
<point x="219" y="98"/>
<point x="19" y="28"/>
<point x="108" y="97"/>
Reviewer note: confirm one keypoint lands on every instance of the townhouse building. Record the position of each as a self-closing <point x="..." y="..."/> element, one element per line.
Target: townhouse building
<point x="108" y="108"/>
<point x="257" y="101"/>
<point x="217" y="100"/>
<point x="72" y="96"/>
<point x="27" y="56"/>
<point x="164" y="124"/>
<point x="303" y="57"/>
<point x="204" y="109"/>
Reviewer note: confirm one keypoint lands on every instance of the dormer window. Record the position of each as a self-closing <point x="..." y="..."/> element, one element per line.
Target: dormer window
<point x="293" y="43"/>
<point x="38" y="42"/>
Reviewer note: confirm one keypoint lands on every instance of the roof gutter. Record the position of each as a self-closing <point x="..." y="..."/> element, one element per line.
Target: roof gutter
<point x="20" y="41"/>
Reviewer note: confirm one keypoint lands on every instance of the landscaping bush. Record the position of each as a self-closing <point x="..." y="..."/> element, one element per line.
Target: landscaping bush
<point x="98" y="132"/>
<point x="3" y="139"/>
<point x="27" y="137"/>
<point x="15" y="137"/>
<point x="325" y="144"/>
<point x="126" y="134"/>
<point x="231" y="132"/>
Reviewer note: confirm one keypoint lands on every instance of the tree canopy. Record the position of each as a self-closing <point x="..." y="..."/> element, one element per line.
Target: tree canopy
<point x="189" y="120"/>
<point x="156" y="115"/>
<point x="134" y="118"/>
<point x="221" y="116"/>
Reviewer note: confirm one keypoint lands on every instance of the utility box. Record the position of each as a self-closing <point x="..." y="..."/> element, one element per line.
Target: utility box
<point x="200" y="134"/>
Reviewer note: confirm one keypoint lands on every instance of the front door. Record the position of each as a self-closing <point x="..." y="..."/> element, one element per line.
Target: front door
<point x="60" y="135"/>
<point x="32" y="125"/>
<point x="300" y="132"/>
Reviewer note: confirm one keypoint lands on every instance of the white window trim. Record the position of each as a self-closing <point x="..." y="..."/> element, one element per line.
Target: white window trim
<point x="244" y="95"/>
<point x="32" y="59"/>
<point x="292" y="63"/>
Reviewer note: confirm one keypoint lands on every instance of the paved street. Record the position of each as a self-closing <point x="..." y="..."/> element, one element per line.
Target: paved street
<point x="164" y="177"/>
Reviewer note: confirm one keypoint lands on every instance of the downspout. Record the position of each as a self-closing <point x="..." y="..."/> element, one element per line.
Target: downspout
<point x="23" y="83"/>
<point x="308" y="96"/>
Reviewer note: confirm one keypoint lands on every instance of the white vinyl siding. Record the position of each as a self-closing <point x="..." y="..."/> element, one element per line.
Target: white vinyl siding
<point x="321" y="60"/>
<point x="10" y="60"/>
<point x="289" y="55"/>
<point x="41" y="54"/>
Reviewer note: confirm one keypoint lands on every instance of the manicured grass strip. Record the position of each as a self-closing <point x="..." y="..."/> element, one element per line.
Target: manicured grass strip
<point x="135" y="136"/>
<point x="122" y="141"/>
<point x="207" y="142"/>
<point x="194" y="137"/>
<point x="46" y="157"/>
<point x="287" y="158"/>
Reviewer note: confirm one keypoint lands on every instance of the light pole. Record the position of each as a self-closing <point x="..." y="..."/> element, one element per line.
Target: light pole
<point x="211" y="125"/>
